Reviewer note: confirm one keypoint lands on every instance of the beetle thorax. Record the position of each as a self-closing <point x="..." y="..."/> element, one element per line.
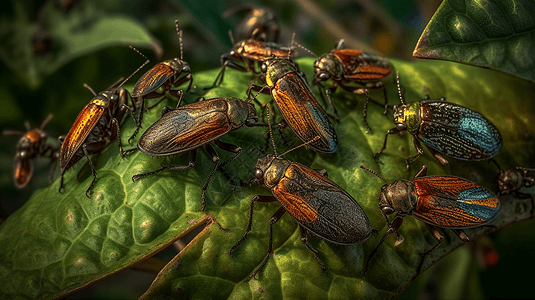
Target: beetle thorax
<point x="408" y="115"/>
<point x="178" y="65"/>
<point x="273" y="169"/>
<point x="277" y="68"/>
<point x="400" y="195"/>
<point x="330" y="64"/>
<point x="241" y="112"/>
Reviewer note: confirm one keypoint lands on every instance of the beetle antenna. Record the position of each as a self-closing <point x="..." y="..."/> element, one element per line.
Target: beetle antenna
<point x="140" y="67"/>
<point x="304" y="48"/>
<point x="90" y="89"/>
<point x="363" y="167"/>
<point x="291" y="45"/>
<point x="13" y="132"/>
<point x="254" y="97"/>
<point x="46" y="120"/>
<point x="114" y="84"/>
<point x="303" y="144"/>
<point x="495" y="163"/>
<point x="399" y="88"/>
<point x="27" y="125"/>
<point x="231" y="36"/>
<point x="179" y="33"/>
<point x="271" y="133"/>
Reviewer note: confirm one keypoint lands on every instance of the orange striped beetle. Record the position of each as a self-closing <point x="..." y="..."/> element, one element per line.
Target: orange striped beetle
<point x="316" y="203"/>
<point x="97" y="123"/>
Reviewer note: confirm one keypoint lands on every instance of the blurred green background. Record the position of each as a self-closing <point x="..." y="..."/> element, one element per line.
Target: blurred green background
<point x="39" y="76"/>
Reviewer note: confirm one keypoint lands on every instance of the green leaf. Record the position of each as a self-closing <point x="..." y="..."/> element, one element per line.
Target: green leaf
<point x="496" y="34"/>
<point x="59" y="243"/>
<point x="63" y="37"/>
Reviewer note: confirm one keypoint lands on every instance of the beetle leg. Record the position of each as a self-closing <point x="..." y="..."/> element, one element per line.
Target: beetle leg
<point x="438" y="236"/>
<point x="393" y="228"/>
<point x="390" y="131"/>
<point x="460" y="233"/>
<point x="231" y="62"/>
<point x="328" y="92"/>
<point x="230" y="148"/>
<point x="276" y="216"/>
<point x="84" y="148"/>
<point x="115" y="122"/>
<point x="322" y="172"/>
<point x="192" y="158"/>
<point x="138" y="121"/>
<point x="215" y="158"/>
<point x="259" y="198"/>
<point x="438" y="156"/>
<point x="365" y="112"/>
<point x="166" y="109"/>
<point x="181" y="81"/>
<point x="304" y="238"/>
<point x="418" y="147"/>
<point x="421" y="172"/>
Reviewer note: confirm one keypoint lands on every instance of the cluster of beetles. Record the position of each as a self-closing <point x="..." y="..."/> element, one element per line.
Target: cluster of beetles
<point x="317" y="204"/>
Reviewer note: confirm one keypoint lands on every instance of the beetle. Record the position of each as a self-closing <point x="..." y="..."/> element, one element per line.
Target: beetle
<point x="344" y="66"/>
<point x="316" y="203"/>
<point x="245" y="54"/>
<point x="97" y="123"/>
<point x="446" y="202"/>
<point x="445" y="128"/>
<point x="31" y="145"/>
<point x="193" y="126"/>
<point x="511" y="180"/>
<point x="260" y="23"/>
<point x="298" y="105"/>
<point x="166" y="74"/>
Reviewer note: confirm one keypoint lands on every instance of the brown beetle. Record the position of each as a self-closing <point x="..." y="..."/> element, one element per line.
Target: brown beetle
<point x="97" y="123"/>
<point x="193" y="126"/>
<point x="31" y="145"/>
<point x="345" y="66"/>
<point x="260" y="23"/>
<point x="166" y="74"/>
<point x="246" y="54"/>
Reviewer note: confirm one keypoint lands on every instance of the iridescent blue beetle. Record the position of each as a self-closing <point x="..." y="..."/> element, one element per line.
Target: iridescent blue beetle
<point x="445" y="128"/>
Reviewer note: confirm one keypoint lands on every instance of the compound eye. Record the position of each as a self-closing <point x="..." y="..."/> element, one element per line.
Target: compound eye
<point x="259" y="174"/>
<point x="114" y="97"/>
<point x="323" y="76"/>
<point x="263" y="68"/>
<point x="401" y="127"/>
<point x="387" y="210"/>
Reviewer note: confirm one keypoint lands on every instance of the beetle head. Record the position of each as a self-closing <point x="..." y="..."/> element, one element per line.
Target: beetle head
<point x="397" y="197"/>
<point x="509" y="180"/>
<point x="270" y="169"/>
<point x="327" y="66"/>
<point x="241" y="112"/>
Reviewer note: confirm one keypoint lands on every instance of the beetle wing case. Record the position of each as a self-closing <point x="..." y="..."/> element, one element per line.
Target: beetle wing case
<point x="453" y="202"/>
<point x="457" y="131"/>
<point x="321" y="206"/>
<point x="85" y="122"/>
<point x="186" y="128"/>
<point x="303" y="113"/>
<point x="152" y="80"/>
